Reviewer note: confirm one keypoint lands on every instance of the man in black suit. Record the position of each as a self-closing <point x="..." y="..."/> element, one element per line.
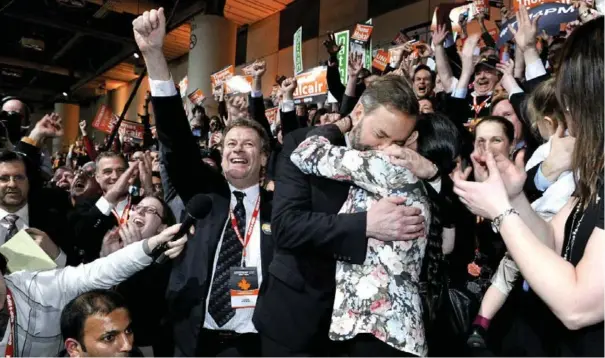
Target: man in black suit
<point x="24" y="203"/>
<point x="94" y="216"/>
<point x="232" y="248"/>
<point x="294" y="310"/>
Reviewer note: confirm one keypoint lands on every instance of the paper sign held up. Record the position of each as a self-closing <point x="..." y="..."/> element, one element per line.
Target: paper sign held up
<point x="197" y="97"/>
<point x="23" y="254"/>
<point x="104" y="119"/>
<point x="362" y="33"/>
<point x="312" y="86"/>
<point x="238" y="84"/>
<point x="271" y="114"/>
<point x="381" y="60"/>
<point x="218" y="78"/>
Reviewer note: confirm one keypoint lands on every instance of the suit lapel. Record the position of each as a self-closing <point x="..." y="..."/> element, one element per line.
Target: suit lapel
<point x="266" y="239"/>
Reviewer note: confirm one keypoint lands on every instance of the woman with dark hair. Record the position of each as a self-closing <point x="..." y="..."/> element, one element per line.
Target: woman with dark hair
<point x="215" y="134"/>
<point x="559" y="310"/>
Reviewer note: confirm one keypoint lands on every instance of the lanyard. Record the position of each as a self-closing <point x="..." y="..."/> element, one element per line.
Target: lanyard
<point x="10" y="345"/>
<point x="125" y="213"/>
<point x="478" y="108"/>
<point x="250" y="227"/>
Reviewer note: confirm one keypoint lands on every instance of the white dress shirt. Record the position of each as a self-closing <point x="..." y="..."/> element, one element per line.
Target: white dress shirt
<point x="23" y="223"/>
<point x="106" y="207"/>
<point x="242" y="321"/>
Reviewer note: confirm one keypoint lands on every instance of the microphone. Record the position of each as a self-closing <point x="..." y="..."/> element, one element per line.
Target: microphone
<point x="197" y="208"/>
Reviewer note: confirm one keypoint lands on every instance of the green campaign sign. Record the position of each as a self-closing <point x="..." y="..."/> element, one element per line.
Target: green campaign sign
<point x="298" y="61"/>
<point x="342" y="39"/>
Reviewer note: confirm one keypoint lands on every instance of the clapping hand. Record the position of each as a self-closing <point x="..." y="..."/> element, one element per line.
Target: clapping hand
<point x="487" y="199"/>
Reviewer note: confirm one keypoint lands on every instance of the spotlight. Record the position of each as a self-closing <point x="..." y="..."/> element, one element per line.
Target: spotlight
<point x="136" y="55"/>
<point x="64" y="94"/>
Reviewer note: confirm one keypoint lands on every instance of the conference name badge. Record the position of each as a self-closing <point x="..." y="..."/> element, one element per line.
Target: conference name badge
<point x="243" y="287"/>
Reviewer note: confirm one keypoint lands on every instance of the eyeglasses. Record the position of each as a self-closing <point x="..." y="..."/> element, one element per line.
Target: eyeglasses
<point x="81" y="172"/>
<point x="146" y="210"/>
<point x="16" y="178"/>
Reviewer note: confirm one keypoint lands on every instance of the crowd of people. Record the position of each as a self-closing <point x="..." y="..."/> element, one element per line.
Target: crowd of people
<point x="448" y="212"/>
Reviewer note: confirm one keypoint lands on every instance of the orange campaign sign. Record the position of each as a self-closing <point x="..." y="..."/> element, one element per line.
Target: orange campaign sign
<point x="312" y="86"/>
<point x="362" y="33"/>
<point x="271" y="114"/>
<point x="104" y="119"/>
<point x="132" y="130"/>
<point x="381" y="60"/>
<point x="197" y="97"/>
<point x="530" y="4"/>
<point x="219" y="77"/>
<point x="238" y="84"/>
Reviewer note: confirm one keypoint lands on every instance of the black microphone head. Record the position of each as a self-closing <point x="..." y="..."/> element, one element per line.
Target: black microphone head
<point x="199" y="206"/>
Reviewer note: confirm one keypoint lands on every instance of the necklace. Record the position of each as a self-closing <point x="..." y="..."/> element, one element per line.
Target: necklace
<point x="574" y="232"/>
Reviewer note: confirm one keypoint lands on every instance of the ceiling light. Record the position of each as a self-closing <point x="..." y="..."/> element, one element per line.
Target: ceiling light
<point x="64" y="94"/>
<point x="136" y="55"/>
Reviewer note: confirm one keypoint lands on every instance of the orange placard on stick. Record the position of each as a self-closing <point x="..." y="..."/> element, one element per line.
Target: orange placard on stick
<point x="104" y="119"/>
<point x="219" y="77"/>
<point x="132" y="130"/>
<point x="238" y="84"/>
<point x="197" y="97"/>
<point x="381" y="60"/>
<point x="312" y="86"/>
<point x="271" y="114"/>
<point x="362" y="33"/>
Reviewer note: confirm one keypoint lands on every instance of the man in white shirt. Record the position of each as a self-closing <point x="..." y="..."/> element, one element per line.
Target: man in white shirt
<point x="213" y="289"/>
<point x="34" y="300"/>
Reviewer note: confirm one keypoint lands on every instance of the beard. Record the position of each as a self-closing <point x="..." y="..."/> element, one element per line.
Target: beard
<point x="355" y="138"/>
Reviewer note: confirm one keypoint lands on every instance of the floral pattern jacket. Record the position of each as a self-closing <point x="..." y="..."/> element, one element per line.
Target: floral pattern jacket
<point x="380" y="297"/>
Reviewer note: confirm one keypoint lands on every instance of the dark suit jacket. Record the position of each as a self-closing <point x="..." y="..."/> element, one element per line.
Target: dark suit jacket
<point x="295" y="304"/>
<point x="48" y="208"/>
<point x="189" y="282"/>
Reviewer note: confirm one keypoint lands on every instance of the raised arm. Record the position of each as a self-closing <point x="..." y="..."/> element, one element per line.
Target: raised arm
<point x="370" y="170"/>
<point x="443" y="66"/>
<point x="182" y="154"/>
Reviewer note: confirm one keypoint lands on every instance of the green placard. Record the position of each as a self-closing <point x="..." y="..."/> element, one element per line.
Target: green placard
<point x="342" y="38"/>
<point x="367" y="61"/>
<point x="298" y="61"/>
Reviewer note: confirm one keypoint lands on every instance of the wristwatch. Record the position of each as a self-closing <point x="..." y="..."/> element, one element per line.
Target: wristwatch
<point x="498" y="219"/>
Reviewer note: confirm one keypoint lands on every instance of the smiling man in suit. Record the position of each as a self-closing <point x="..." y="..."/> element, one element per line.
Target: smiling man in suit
<point x="213" y="288"/>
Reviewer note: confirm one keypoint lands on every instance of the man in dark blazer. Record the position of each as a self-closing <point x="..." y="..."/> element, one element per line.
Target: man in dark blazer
<point x="294" y="309"/>
<point x="236" y="233"/>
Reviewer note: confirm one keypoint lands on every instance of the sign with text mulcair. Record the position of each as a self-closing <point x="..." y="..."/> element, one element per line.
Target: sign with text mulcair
<point x="298" y="61"/>
<point x="312" y="86"/>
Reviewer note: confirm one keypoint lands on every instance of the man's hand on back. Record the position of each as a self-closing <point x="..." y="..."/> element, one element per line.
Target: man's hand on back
<point x="390" y="220"/>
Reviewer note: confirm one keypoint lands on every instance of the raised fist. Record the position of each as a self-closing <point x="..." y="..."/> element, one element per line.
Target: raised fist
<point x="149" y="30"/>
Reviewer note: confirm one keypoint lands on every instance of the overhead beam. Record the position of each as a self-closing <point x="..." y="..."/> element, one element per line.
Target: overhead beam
<point x="83" y="30"/>
<point x="38" y="66"/>
<point x="179" y="18"/>
<point x="67" y="46"/>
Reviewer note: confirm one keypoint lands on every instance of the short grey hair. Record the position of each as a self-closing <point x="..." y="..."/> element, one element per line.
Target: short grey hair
<point x="392" y="92"/>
